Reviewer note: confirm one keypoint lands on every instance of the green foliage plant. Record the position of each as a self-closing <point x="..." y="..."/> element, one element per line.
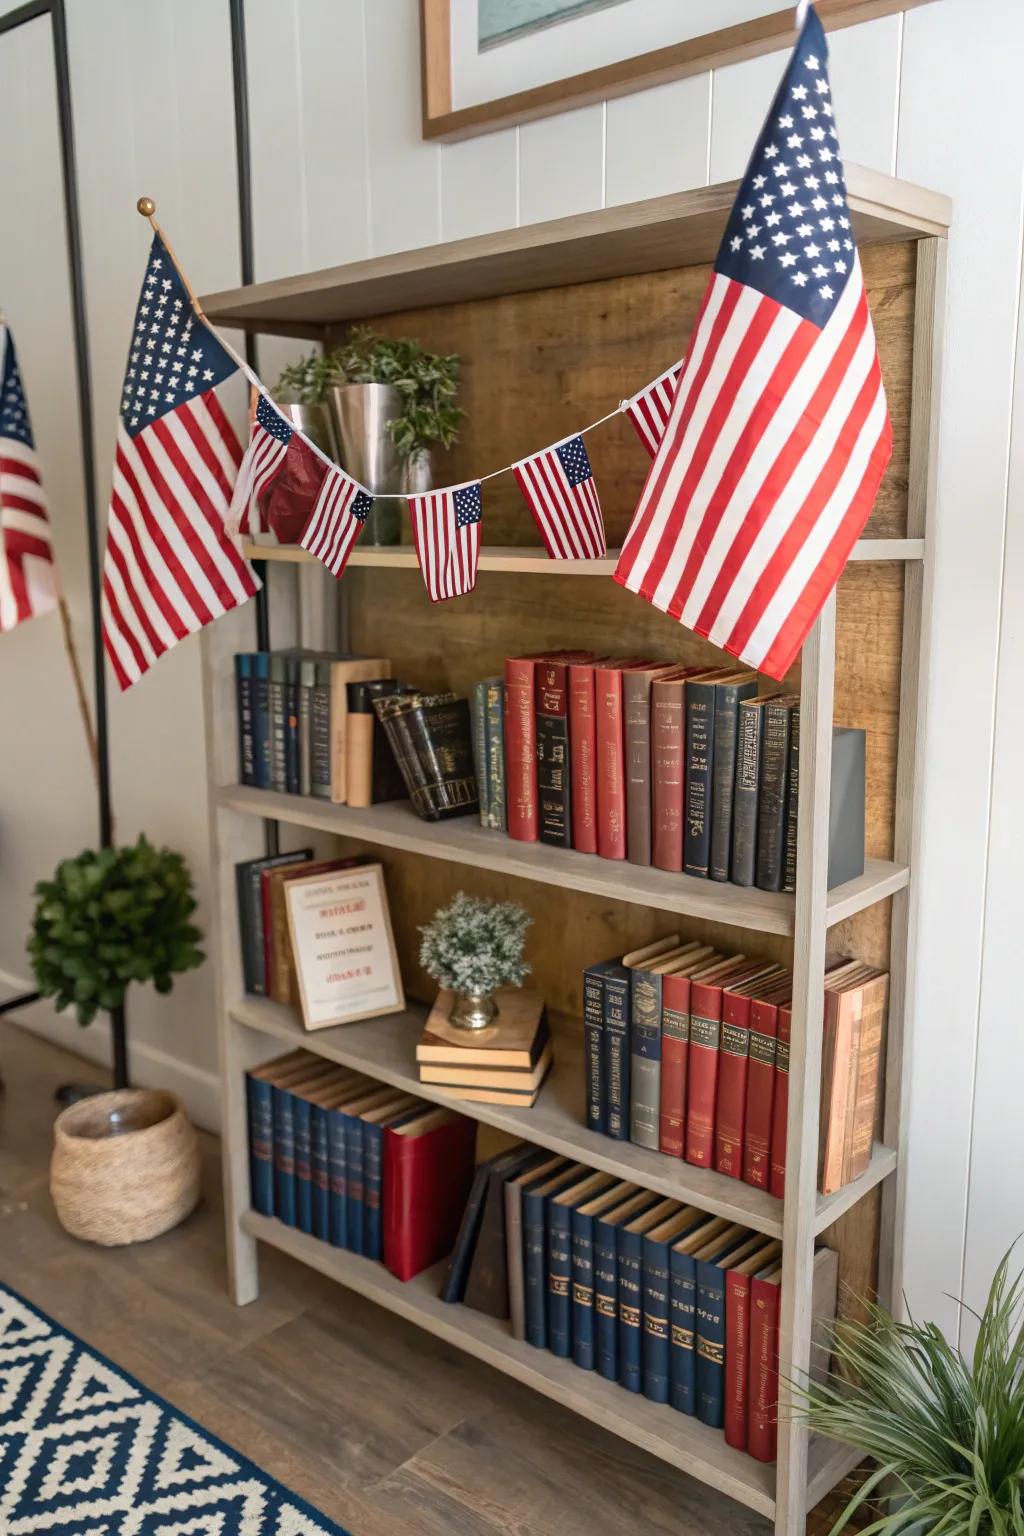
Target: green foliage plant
<point x="473" y="946"/>
<point x="111" y="917"/>
<point x="428" y="383"/>
<point x="946" y="1431"/>
<point x="305" y="382"/>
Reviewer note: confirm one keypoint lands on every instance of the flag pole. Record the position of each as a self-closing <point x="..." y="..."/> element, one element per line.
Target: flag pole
<point x="71" y="652"/>
<point x="147" y="208"/>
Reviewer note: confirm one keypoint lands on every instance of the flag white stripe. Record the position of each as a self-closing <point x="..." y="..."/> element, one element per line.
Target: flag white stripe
<point x="202" y="410"/>
<point x="113" y="633"/>
<point x="344" y="525"/>
<point x="314" y="534"/>
<point x="35" y="524"/>
<point x="163" y="517"/>
<point x="128" y="621"/>
<point x="24" y="489"/>
<point x="160" y="572"/>
<point x="552" y="490"/>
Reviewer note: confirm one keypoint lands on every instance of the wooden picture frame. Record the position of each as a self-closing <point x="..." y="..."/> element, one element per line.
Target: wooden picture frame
<point x="327" y="998"/>
<point x="712" y="50"/>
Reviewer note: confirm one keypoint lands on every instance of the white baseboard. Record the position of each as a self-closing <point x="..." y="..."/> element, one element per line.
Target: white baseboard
<point x="197" y="1089"/>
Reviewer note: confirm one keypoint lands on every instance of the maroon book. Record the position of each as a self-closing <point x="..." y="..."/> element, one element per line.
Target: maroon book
<point x="521" y="793"/>
<point x="583" y="757"/>
<point x="780" y="1107"/>
<point x="761" y="1085"/>
<point x="611" y="755"/>
<point x="428" y="1170"/>
<point x="733" y="1064"/>
<point x="705" y="1037"/>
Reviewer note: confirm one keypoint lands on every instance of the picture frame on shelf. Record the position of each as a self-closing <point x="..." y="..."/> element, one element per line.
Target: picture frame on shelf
<point x="346" y="964"/>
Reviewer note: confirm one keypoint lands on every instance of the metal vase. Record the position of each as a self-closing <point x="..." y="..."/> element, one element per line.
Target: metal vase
<point x="316" y="423"/>
<point x="361" y="414"/>
<point x="473" y="1010"/>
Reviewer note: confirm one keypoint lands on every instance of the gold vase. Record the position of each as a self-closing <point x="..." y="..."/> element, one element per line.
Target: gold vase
<point x="473" y="1010"/>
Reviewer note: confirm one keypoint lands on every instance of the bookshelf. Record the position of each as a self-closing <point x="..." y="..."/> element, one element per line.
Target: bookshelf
<point x="618" y="290"/>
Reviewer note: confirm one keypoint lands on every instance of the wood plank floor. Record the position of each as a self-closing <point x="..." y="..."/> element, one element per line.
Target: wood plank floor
<point x="380" y="1426"/>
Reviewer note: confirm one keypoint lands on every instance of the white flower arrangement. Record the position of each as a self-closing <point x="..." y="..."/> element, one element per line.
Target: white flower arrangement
<point x="472" y="946"/>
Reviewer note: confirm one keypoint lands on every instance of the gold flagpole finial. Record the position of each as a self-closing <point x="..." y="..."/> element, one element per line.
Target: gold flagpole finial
<point x="146" y="207"/>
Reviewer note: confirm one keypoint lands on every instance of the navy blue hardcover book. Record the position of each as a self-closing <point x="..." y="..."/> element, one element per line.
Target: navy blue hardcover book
<point x="373" y="1124"/>
<point x="560" y="1209"/>
<point x="583" y="1221"/>
<point x="593" y="1044"/>
<point x="683" y="1311"/>
<point x="293" y="678"/>
<point x="657" y="1319"/>
<point x="261" y="718"/>
<point x="286" y="1102"/>
<point x="246" y="740"/>
<point x="250" y="915"/>
<point x="629" y="1255"/>
<point x="302" y="1111"/>
<point x="711" y="1264"/>
<point x="616" y="1050"/>
<point x="535" y="1251"/>
<point x="260" y="1099"/>
<point x="340" y="1220"/>
<point x="606" y="1280"/>
<point x="320" y="1163"/>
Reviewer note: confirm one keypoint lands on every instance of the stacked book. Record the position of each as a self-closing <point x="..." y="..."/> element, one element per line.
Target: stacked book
<point x="357" y="1164"/>
<point x="686" y="1051"/>
<point x="505" y="1063"/>
<point x="683" y="768"/>
<point x="648" y="1292"/>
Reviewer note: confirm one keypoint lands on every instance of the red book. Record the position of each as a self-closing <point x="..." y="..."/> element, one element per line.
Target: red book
<point x="583" y="757"/>
<point x="763" y="1379"/>
<point x="780" y="1109"/>
<point x="702" y="1067"/>
<point x="737" y="1339"/>
<point x="761" y="1084"/>
<point x="675" y="1048"/>
<point x="733" y="1059"/>
<point x="521" y="741"/>
<point x="428" y="1170"/>
<point x="611" y="756"/>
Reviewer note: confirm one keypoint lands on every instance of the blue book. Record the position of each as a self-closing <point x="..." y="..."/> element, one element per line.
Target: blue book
<point x="645" y="993"/>
<point x="355" y="1163"/>
<point x="615" y="1045"/>
<point x="594" y="1063"/>
<point x="683" y="1310"/>
<point x="584" y="1220"/>
<point x="534" y="1216"/>
<point x="246" y="740"/>
<point x="302" y="1136"/>
<point x="656" y="1349"/>
<point x="259" y="1094"/>
<point x="629" y="1258"/>
<point x="711" y="1264"/>
<point x="249" y="890"/>
<point x="606" y="1280"/>
<point x="357" y="1096"/>
<point x="320" y="1101"/>
<point x="373" y="1124"/>
<point x="285" y="1191"/>
<point x="261" y="718"/>
<point x="560" y="1209"/>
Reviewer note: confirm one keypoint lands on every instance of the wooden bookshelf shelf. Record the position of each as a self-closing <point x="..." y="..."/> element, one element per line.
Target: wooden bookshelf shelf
<point x="464" y="841"/>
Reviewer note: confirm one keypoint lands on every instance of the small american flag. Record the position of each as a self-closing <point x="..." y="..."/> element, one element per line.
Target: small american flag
<point x="269" y="436"/>
<point x="650" y="409"/>
<point x="337" y="519"/>
<point x="170" y="567"/>
<point x="28" y="584"/>
<point x="446" y="531"/>
<point x="559" y="488"/>
<point x="779" y="432"/>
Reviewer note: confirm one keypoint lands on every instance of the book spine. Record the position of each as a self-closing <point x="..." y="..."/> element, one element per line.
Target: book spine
<point x="559" y="1268"/>
<point x="636" y="710"/>
<point x="355" y="1209"/>
<point x="763" y="1381"/>
<point x="668" y="737"/>
<point x="702" y="1087"/>
<point x="656" y="1345"/>
<point x="617" y="1055"/>
<point x="606" y="1301"/>
<point x="611" y="767"/>
<point x="645" y="1059"/>
<point x="291" y="728"/>
<point x="593" y="1049"/>
<point x="454" y="1286"/>
<point x="260" y="1100"/>
<point x="869" y="1078"/>
<point x="583" y="758"/>
<point x="762" y="1088"/>
<point x="743" y="865"/>
<point x="319" y="1164"/>
<point x="771" y="808"/>
<point x="261" y="719"/>
<point x="675" y="1052"/>
<point x="359" y="756"/>
<point x="478" y="727"/>
<point x="255" y="923"/>
<point x="535" y="1265"/>
<point x="337" y="1180"/>
<point x="302" y="1132"/>
<point x="246" y="739"/>
<point x="251" y="960"/>
<point x="320" y="741"/>
<point x="284" y="1157"/>
<point x="731" y="1091"/>
<point x="792" y="801"/>
<point x="682" y="1358"/>
<point x="396" y="729"/>
<point x="700" y="757"/>
<point x="723" y="778"/>
<point x="373" y="1177"/>
<point x="629" y="1254"/>
<point x="553" y="777"/>
<point x="780" y="1108"/>
<point x="520" y="752"/>
<point x="737" y="1358"/>
<point x="584" y="1351"/>
<point x="305" y="785"/>
<point x="835" y="1083"/>
<point x="277" y="706"/>
<point x="710" y="1344"/>
<point x="495" y="708"/>
<point x="514" y="1259"/>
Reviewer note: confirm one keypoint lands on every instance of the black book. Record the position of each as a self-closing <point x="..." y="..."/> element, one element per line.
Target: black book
<point x="250" y="915"/>
<point x="278" y="713"/>
<point x="772" y="788"/>
<point x="432" y="742"/>
<point x="320" y="731"/>
<point x="728" y="697"/>
<point x="487" y="1282"/>
<point x="699" y="761"/>
<point x="246" y="736"/>
<point x="743" y="864"/>
<point x="454" y="1286"/>
<point x="292" y="678"/>
<point x="386" y="781"/>
<point x="307" y="682"/>
<point x="551" y="709"/>
<point x="792" y="800"/>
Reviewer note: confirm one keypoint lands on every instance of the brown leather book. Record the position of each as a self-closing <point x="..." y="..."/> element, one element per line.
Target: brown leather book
<point x="351" y="669"/>
<point x="867" y="1077"/>
<point x="636" y="711"/>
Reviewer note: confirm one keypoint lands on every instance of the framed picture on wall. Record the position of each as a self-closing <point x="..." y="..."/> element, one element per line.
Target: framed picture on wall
<point x="490" y="64"/>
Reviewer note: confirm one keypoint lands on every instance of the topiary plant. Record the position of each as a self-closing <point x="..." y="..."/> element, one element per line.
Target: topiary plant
<point x="111" y="917"/>
<point x="472" y="946"/>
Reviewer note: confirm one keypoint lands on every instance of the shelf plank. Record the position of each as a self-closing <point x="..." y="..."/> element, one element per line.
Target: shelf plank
<point x="535" y="562"/>
<point x="655" y="235"/>
<point x="673" y="1437"/>
<point x="464" y="841"/>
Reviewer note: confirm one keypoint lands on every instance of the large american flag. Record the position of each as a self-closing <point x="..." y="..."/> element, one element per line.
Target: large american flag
<point x="558" y="484"/>
<point x="170" y="567"/>
<point x="446" y="532"/>
<point x="337" y="519"/>
<point x="269" y="436"/>
<point x="28" y="585"/>
<point x="650" y="409"/>
<point x="779" y="432"/>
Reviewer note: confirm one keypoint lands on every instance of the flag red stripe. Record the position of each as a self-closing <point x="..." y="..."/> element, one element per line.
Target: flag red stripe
<point x="198" y="501"/>
<point x="182" y="581"/>
<point x="126" y="523"/>
<point x="134" y="617"/>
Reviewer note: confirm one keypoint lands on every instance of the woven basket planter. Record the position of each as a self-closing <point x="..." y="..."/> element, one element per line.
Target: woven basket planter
<point x="125" y="1166"/>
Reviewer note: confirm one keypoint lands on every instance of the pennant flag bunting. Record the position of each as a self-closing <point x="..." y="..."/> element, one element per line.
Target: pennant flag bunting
<point x="28" y="585"/>
<point x="446" y="532"/>
<point x="650" y="409"/>
<point x="170" y="567"/>
<point x="559" y="488"/>
<point x="269" y="436"/>
<point x="779" y="432"/>
<point x="336" y="521"/>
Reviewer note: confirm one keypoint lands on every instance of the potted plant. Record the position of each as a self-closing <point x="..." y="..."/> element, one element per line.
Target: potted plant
<point x="473" y="946"/>
<point x="125" y="1164"/>
<point x="301" y="392"/>
<point x="946" y="1431"/>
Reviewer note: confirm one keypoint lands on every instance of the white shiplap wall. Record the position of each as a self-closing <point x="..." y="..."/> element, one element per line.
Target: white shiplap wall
<point x="341" y="172"/>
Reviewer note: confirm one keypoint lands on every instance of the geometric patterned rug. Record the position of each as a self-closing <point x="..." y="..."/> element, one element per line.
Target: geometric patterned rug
<point x="85" y="1450"/>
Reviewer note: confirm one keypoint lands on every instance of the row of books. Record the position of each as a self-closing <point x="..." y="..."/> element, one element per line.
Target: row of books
<point x="647" y="1292"/>
<point x="683" y="768"/>
<point x="355" y="1163"/>
<point x="686" y="1051"/>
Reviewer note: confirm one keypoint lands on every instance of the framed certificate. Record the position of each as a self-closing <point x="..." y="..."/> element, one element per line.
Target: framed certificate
<point x="344" y="949"/>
